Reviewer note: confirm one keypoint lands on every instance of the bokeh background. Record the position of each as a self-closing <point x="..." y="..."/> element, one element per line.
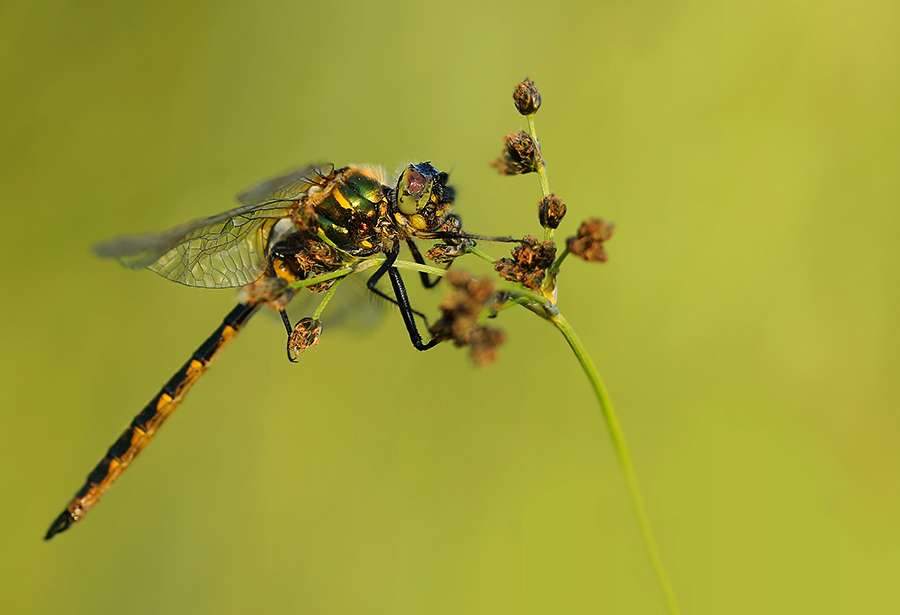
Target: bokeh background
<point x="746" y="324"/>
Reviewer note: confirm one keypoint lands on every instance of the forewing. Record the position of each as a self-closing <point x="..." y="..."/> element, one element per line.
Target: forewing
<point x="222" y="251"/>
<point x="290" y="186"/>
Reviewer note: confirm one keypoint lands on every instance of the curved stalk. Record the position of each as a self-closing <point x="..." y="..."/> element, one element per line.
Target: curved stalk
<point x="621" y="447"/>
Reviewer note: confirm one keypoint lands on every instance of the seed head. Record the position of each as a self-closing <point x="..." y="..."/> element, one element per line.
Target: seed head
<point x="527" y="97"/>
<point x="520" y="155"/>
<point x="321" y="287"/>
<point x="588" y="243"/>
<point x="452" y="247"/>
<point x="483" y="345"/>
<point x="306" y="334"/>
<point x="270" y="290"/>
<point x="529" y="263"/>
<point x="445" y="253"/>
<point x="313" y="258"/>
<point x="551" y="211"/>
<point x="459" y="319"/>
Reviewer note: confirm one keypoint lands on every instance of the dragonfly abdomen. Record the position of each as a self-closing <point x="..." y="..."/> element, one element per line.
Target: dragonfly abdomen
<point x="145" y="425"/>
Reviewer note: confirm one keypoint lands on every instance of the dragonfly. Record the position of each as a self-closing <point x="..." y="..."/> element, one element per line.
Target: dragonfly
<point x="313" y="221"/>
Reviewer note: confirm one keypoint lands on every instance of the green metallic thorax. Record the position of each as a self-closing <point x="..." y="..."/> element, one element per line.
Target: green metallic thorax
<point x="336" y="222"/>
<point x="349" y="214"/>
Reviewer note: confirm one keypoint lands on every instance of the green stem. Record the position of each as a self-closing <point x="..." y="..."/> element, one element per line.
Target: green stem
<point x="321" y="278"/>
<point x="554" y="268"/>
<point x="542" y="170"/>
<point x="479" y="254"/>
<point x="618" y="438"/>
<point x="362" y="266"/>
<point x="545" y="307"/>
<point x="417" y="267"/>
<point x="328" y="295"/>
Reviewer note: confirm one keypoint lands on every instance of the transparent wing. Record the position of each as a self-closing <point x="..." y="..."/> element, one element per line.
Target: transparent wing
<point x="287" y="187"/>
<point x="221" y="251"/>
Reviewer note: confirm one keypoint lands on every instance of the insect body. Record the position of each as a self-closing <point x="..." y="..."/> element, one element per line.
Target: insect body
<point x="307" y="223"/>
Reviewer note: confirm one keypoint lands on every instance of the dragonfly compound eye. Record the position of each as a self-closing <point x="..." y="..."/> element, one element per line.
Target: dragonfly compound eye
<point x="415" y="186"/>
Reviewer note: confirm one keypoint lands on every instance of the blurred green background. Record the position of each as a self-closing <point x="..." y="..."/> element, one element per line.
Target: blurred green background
<point x="749" y="154"/>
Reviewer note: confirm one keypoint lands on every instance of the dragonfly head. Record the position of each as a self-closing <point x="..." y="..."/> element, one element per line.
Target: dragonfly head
<point x="420" y="185"/>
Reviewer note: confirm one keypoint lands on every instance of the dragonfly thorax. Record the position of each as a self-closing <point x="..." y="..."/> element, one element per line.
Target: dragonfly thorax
<point x="350" y="213"/>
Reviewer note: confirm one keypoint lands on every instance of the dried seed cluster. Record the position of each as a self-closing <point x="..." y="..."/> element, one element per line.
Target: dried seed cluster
<point x="443" y="253"/>
<point x="527" y="97"/>
<point x="306" y="334"/>
<point x="459" y="317"/>
<point x="271" y="290"/>
<point x="520" y="155"/>
<point x="551" y="210"/>
<point x="588" y="243"/>
<point x="529" y="263"/>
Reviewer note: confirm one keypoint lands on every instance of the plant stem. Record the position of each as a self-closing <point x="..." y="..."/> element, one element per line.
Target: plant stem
<point x="320" y="278"/>
<point x="554" y="268"/>
<point x="542" y="171"/>
<point x="621" y="447"/>
<point x="401" y="264"/>
<point x="479" y="254"/>
<point x="328" y="295"/>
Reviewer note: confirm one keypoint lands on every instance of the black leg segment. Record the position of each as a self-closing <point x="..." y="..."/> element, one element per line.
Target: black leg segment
<point x="400" y="298"/>
<point x="427" y="282"/>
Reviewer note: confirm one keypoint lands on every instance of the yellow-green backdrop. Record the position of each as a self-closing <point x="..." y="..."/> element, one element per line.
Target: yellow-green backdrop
<point x="746" y="324"/>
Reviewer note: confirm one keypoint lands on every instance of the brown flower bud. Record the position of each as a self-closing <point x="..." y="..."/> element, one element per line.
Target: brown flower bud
<point x="588" y="243"/>
<point x="551" y="211"/>
<point x="306" y="334"/>
<point x="483" y="345"/>
<point x="445" y="253"/>
<point x="529" y="264"/>
<point x="270" y="290"/>
<point x="527" y="97"/>
<point x="453" y="246"/>
<point x="459" y="317"/>
<point x="520" y="155"/>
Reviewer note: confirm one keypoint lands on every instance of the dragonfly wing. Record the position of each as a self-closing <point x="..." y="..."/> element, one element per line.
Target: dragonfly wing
<point x="221" y="251"/>
<point x="288" y="187"/>
<point x="225" y="250"/>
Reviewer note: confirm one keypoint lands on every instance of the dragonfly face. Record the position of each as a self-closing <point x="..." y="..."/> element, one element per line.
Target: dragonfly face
<point x="420" y="185"/>
<point x="313" y="221"/>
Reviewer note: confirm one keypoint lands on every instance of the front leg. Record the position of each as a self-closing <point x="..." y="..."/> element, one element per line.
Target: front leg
<point x="400" y="298"/>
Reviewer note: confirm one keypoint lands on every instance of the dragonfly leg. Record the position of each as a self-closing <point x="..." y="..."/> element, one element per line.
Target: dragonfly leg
<point x="290" y="329"/>
<point x="427" y="282"/>
<point x="400" y="298"/>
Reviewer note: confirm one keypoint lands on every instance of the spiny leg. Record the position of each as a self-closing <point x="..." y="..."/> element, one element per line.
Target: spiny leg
<point x="400" y="298"/>
<point x="371" y="285"/>
<point x="417" y="256"/>
<point x="290" y="329"/>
